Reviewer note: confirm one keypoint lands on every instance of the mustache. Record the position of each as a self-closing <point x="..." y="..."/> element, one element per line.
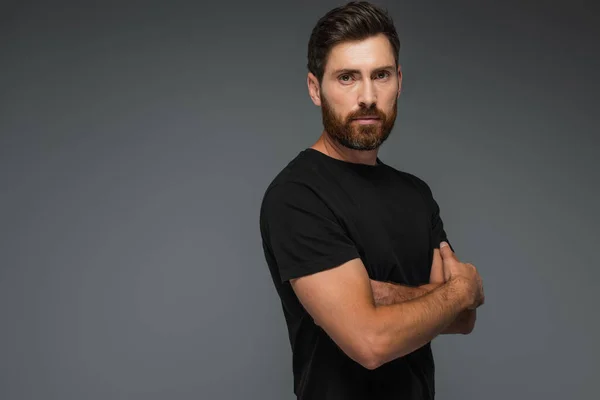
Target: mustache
<point x="367" y="112"/>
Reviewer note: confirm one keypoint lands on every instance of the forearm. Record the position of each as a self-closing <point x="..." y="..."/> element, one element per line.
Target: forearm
<point x="387" y="293"/>
<point x="463" y="324"/>
<point x="402" y="328"/>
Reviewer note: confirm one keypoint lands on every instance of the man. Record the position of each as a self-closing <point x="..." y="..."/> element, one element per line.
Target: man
<point x="352" y="244"/>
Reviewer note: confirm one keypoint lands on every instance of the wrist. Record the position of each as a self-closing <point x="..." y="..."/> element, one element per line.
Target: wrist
<point x="382" y="292"/>
<point x="428" y="287"/>
<point x="460" y="287"/>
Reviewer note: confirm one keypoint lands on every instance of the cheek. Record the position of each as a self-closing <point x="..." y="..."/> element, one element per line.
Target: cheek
<point x="389" y="97"/>
<point x="390" y="103"/>
<point x="340" y="108"/>
<point x="341" y="102"/>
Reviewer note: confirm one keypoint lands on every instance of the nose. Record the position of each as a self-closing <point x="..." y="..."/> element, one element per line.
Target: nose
<point x="367" y="97"/>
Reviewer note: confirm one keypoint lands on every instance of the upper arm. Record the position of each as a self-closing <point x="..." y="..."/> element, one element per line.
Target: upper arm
<point x="437" y="268"/>
<point x="302" y="233"/>
<point x="438" y="233"/>
<point x="340" y="300"/>
<point x="314" y="253"/>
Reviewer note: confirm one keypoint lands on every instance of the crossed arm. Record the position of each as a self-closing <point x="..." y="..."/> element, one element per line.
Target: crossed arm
<point x="341" y="301"/>
<point x="387" y="293"/>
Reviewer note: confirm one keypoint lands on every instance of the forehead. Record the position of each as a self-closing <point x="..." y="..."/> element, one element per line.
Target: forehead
<point x="366" y="54"/>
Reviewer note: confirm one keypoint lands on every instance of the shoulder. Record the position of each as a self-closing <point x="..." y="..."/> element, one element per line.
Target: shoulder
<point x="414" y="180"/>
<point x="286" y="192"/>
<point x="301" y="177"/>
<point x="297" y="188"/>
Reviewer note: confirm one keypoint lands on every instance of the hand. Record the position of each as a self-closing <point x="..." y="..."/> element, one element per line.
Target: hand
<point x="465" y="272"/>
<point x="381" y="292"/>
<point x="437" y="269"/>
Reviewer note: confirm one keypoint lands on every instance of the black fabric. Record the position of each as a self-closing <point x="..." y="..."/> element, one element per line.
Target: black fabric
<point x="320" y="212"/>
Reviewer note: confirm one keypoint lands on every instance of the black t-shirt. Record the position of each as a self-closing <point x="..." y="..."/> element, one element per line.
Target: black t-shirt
<point x="320" y="212"/>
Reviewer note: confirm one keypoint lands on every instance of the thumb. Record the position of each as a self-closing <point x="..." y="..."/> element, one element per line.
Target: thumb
<point x="446" y="252"/>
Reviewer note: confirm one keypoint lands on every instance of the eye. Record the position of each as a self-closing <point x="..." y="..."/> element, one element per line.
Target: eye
<point x="345" y="78"/>
<point x="383" y="74"/>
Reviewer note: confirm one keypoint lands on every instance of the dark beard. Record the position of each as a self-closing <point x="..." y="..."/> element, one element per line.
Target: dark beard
<point x="354" y="136"/>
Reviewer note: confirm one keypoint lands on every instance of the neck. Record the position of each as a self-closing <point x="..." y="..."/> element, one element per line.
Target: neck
<point x="332" y="148"/>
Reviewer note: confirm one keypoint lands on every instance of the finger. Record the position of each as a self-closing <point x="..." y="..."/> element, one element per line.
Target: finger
<point x="437" y="268"/>
<point x="446" y="252"/>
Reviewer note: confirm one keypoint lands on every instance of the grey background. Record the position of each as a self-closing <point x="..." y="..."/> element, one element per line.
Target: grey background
<point x="136" y="140"/>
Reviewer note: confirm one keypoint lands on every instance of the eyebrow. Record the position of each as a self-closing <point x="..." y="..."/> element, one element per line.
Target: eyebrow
<point x="355" y="71"/>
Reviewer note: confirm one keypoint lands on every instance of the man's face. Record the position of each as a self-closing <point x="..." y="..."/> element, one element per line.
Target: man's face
<point x="359" y="93"/>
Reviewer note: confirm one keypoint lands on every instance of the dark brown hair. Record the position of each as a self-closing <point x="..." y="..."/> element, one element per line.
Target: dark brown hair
<point x="354" y="21"/>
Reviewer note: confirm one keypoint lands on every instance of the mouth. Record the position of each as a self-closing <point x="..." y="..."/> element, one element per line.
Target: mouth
<point x="368" y="117"/>
<point x="367" y="120"/>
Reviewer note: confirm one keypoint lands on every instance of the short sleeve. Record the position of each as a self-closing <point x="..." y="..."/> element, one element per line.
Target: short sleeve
<point x="438" y="233"/>
<point x="301" y="232"/>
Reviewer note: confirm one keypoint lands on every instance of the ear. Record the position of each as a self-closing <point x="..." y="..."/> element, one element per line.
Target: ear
<point x="399" y="80"/>
<point x="314" y="89"/>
